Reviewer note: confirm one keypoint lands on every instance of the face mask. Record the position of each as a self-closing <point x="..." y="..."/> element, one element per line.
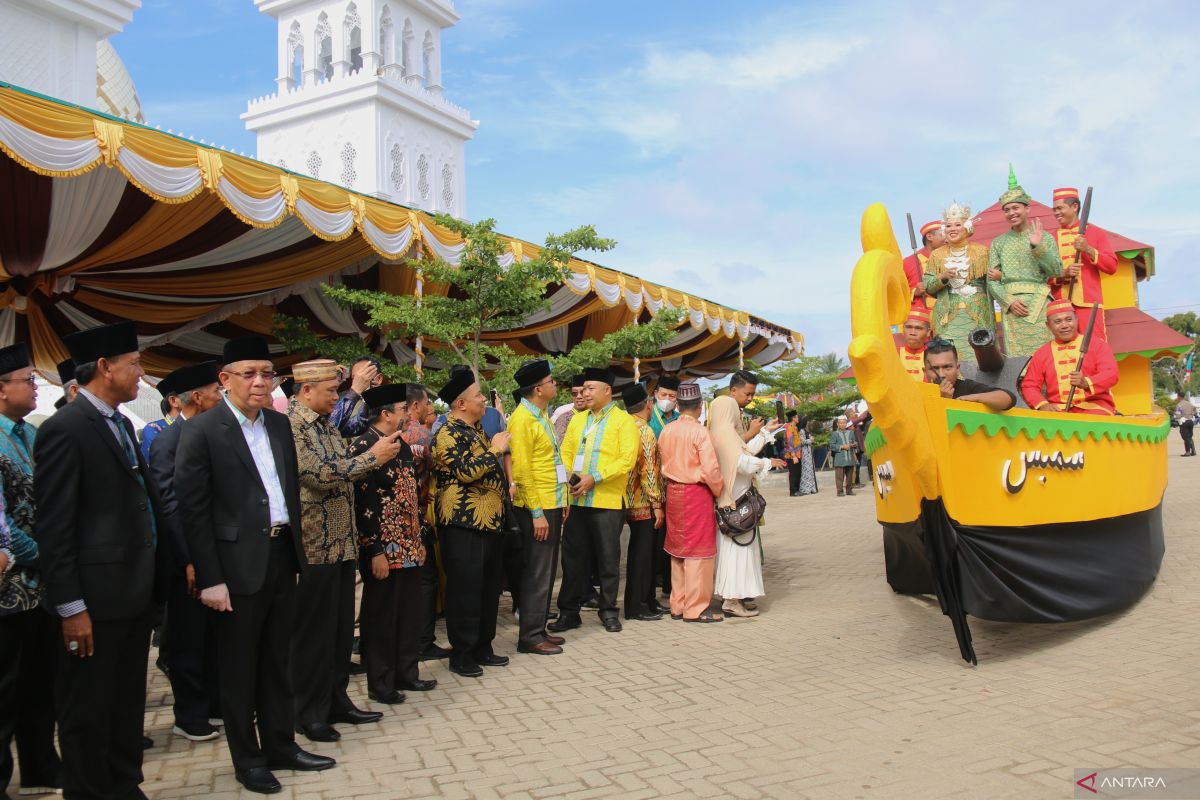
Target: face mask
<point x="664" y="405"/>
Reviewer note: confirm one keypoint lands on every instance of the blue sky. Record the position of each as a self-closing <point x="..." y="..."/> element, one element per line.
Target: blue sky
<point x="731" y="147"/>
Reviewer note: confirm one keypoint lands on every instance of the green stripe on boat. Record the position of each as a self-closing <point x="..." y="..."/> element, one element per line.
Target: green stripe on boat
<point x="991" y="424"/>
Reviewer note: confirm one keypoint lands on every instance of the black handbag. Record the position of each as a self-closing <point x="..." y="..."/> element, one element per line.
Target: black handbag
<point x="743" y="517"/>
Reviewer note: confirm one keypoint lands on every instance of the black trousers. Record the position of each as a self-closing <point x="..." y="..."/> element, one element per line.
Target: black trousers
<point x="254" y="648"/>
<point x="537" y="582"/>
<point x="795" y="468"/>
<point x="191" y="656"/>
<point x="662" y="562"/>
<point x="1185" y="432"/>
<point x="473" y="568"/>
<point x="101" y="701"/>
<point x="322" y="641"/>
<point x="29" y="645"/>
<point x="391" y="618"/>
<point x="513" y="559"/>
<point x="430" y="582"/>
<point x="591" y="533"/>
<point x="639" y="569"/>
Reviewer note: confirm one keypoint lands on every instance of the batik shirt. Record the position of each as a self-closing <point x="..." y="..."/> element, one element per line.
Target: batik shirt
<point x="644" y="491"/>
<point x="349" y="416"/>
<point x="327" y="475"/>
<point x="16" y="446"/>
<point x="468" y="483"/>
<point x="387" y="505"/>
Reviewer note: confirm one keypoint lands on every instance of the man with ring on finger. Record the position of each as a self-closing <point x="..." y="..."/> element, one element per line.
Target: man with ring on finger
<point x="97" y="529"/>
<point x="237" y="480"/>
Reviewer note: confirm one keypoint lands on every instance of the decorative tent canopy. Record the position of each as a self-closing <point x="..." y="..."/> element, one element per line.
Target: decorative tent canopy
<point x="103" y="219"/>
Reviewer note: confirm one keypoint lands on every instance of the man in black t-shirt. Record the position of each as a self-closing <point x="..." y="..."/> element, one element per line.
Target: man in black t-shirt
<point x="941" y="367"/>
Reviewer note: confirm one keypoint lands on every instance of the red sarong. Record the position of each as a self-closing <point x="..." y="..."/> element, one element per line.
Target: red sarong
<point x="691" y="521"/>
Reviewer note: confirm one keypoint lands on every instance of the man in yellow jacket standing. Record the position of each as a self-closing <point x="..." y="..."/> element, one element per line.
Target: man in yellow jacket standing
<point x="599" y="449"/>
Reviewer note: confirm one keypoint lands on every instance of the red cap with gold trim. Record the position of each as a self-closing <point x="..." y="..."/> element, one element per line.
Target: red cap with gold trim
<point x="921" y="315"/>
<point x="1058" y="306"/>
<point x="1066" y="193"/>
<point x="930" y="227"/>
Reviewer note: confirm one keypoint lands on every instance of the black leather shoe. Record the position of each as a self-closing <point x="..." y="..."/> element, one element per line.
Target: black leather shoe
<point x="391" y="698"/>
<point x="356" y="716"/>
<point x="493" y="661"/>
<point x="434" y="652"/>
<point x="612" y="625"/>
<point x="564" y="623"/>
<point x="258" y="780"/>
<point x="466" y="670"/>
<point x="646" y="616"/>
<point x="318" y="732"/>
<point x="418" y="685"/>
<point x="147" y="743"/>
<point x="303" y="761"/>
<point x="592" y="603"/>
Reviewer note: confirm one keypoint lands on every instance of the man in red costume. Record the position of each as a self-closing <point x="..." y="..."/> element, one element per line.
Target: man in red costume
<point x="916" y="334"/>
<point x="1096" y="254"/>
<point x="932" y="237"/>
<point x="1052" y="369"/>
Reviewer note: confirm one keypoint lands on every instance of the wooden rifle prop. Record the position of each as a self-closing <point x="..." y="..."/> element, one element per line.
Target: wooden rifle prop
<point x="1083" y="348"/>
<point x="912" y="240"/>
<point x="1083" y="224"/>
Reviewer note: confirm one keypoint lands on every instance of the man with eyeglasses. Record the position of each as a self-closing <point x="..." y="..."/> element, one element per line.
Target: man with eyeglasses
<point x="238" y="486"/>
<point x="942" y="368"/>
<point x="29" y="642"/>
<point x="97" y="531"/>
<point x="540" y="504"/>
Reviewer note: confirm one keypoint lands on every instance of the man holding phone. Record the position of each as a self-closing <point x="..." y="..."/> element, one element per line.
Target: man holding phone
<point x="600" y="448"/>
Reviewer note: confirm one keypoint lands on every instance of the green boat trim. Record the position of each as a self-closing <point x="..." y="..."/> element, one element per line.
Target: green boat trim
<point x="992" y="424"/>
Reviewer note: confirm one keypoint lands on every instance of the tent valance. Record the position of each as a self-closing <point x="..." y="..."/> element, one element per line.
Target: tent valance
<point x="104" y="219"/>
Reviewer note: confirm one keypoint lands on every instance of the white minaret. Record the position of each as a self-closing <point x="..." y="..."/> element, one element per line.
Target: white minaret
<point x="359" y="100"/>
<point x="49" y="46"/>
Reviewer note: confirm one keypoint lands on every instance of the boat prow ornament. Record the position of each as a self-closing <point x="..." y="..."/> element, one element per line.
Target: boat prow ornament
<point x="1015" y="516"/>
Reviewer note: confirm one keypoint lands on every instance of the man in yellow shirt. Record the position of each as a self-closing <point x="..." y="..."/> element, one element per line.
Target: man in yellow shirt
<point x="541" y="499"/>
<point x="600" y="449"/>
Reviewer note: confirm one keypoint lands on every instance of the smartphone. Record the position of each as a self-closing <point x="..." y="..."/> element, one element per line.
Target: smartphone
<point x="779" y="410"/>
<point x="574" y="479"/>
<point x="495" y="398"/>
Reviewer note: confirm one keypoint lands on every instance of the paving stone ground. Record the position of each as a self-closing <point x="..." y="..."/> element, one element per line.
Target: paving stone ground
<point x="840" y="689"/>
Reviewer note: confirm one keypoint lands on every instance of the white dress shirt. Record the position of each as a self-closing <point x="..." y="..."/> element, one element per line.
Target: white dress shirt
<point x="255" y="433"/>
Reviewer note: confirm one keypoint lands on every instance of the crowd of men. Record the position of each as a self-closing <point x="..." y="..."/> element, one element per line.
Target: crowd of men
<point x="252" y="526"/>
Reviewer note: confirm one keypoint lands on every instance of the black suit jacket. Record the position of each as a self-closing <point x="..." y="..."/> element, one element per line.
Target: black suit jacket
<point x="222" y="502"/>
<point x="93" y="516"/>
<point x="162" y="470"/>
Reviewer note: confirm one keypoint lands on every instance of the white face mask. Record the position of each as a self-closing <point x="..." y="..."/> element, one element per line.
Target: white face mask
<point x="664" y="405"/>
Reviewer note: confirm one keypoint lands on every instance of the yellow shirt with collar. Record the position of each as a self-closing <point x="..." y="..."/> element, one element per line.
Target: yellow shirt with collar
<point x="608" y="442"/>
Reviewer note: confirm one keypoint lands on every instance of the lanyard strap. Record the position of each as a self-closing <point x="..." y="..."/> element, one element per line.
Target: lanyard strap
<point x="544" y="421"/>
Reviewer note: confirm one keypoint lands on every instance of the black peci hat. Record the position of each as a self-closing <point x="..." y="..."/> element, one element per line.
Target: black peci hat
<point x="577" y="381"/>
<point x="532" y="373"/>
<point x="107" y="341"/>
<point x="13" y="358"/>
<point x="189" y="378"/>
<point x="599" y="375"/>
<point x="635" y="394"/>
<point x="461" y="378"/>
<point x="668" y="382"/>
<point x="246" y="348"/>
<point x="386" y="395"/>
<point x="66" y="371"/>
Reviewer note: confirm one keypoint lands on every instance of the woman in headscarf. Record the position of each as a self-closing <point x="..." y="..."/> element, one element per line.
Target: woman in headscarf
<point x="739" y="565"/>
<point x="808" y="472"/>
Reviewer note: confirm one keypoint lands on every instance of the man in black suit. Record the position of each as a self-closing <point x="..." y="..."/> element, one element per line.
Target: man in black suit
<point x="187" y="646"/>
<point x="97" y="529"/>
<point x="238" y="488"/>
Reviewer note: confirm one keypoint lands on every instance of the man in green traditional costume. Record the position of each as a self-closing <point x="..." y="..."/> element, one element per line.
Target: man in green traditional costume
<point x="956" y="274"/>
<point x="1026" y="257"/>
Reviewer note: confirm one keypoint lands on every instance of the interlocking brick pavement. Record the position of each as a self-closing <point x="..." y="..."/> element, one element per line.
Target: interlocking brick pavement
<point x="839" y="689"/>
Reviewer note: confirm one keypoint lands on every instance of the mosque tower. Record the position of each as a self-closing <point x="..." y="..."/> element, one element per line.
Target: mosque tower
<point x="359" y="100"/>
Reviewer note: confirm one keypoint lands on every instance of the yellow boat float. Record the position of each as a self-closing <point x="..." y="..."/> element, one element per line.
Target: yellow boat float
<point x="1016" y="516"/>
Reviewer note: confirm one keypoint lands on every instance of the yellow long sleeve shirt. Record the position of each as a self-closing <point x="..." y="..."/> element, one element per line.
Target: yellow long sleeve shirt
<point x="604" y="445"/>
<point x="535" y="460"/>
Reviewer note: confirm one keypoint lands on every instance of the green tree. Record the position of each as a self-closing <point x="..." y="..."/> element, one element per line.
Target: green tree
<point x="1169" y="373"/>
<point x="484" y="295"/>
<point x="813" y="381"/>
